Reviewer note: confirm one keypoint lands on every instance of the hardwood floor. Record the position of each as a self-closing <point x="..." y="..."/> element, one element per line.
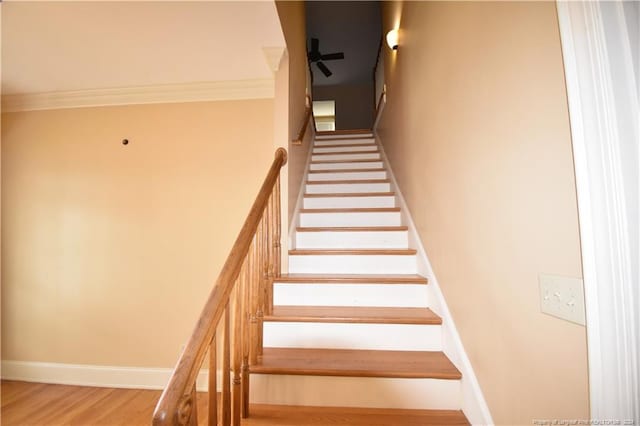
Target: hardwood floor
<point x="35" y="404"/>
<point x="42" y="404"/>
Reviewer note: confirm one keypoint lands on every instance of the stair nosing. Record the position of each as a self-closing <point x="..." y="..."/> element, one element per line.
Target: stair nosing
<point x="353" y="210"/>
<point x="346" y="152"/>
<point x="352" y="252"/>
<point x="352" y="145"/>
<point x="377" y="169"/>
<point x="346" y="181"/>
<point x="336" y="415"/>
<point x="345" y="132"/>
<point x="355" y="160"/>
<point x="413" y="279"/>
<point x="348" y="194"/>
<point x="352" y="228"/>
<point x="311" y="370"/>
<point x="428" y="316"/>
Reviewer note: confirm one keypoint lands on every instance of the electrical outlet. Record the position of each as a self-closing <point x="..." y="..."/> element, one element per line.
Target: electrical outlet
<point x="562" y="297"/>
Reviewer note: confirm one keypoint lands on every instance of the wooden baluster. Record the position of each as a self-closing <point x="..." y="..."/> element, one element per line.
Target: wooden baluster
<point x="236" y="391"/>
<point x="271" y="206"/>
<point x="226" y="367"/>
<point x="246" y="323"/>
<point x="213" y="383"/>
<point x="263" y="279"/>
<point x="193" y="419"/>
<point x="274" y="246"/>
<point x="254" y="290"/>
<point x="253" y="272"/>
<point x="278" y="231"/>
<point x="253" y="298"/>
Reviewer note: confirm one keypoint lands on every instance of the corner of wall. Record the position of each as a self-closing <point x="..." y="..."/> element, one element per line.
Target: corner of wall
<point x="300" y="198"/>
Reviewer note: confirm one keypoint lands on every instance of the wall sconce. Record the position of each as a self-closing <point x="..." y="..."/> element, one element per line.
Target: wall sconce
<point x="392" y="39"/>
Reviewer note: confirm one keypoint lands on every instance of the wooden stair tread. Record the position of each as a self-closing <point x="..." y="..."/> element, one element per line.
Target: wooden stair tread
<point x="350" y="194"/>
<point x="347" y="152"/>
<point x="346" y="181"/>
<point x="353" y="314"/>
<point x="355" y="160"/>
<point x="366" y="132"/>
<point x="356" y="363"/>
<point x="352" y="210"/>
<point x="289" y="415"/>
<point x="353" y="278"/>
<point x="351" y="145"/>
<point x="351" y="228"/>
<point x="378" y="169"/>
<point x="343" y="252"/>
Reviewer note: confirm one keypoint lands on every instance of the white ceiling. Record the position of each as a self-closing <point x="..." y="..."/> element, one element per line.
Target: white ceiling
<point x="63" y="46"/>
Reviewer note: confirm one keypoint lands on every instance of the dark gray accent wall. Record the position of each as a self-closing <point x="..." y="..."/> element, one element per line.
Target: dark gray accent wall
<point x="354" y="104"/>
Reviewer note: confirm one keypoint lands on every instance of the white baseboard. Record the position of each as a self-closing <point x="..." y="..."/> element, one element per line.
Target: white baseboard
<point x="474" y="405"/>
<point x="94" y="375"/>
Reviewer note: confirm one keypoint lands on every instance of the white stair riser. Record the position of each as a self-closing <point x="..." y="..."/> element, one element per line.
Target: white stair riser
<point x="352" y="239"/>
<point x="385" y="295"/>
<point x="373" y="392"/>
<point x="352" y="264"/>
<point x="341" y="166"/>
<point x="348" y="202"/>
<point x="343" y="140"/>
<point x="345" y="188"/>
<point x="393" y="337"/>
<point x="347" y="176"/>
<point x="360" y="147"/>
<point x="350" y="219"/>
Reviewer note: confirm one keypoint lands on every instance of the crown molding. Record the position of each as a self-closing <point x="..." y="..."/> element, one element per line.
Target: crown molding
<point x="273" y="56"/>
<point x="166" y="93"/>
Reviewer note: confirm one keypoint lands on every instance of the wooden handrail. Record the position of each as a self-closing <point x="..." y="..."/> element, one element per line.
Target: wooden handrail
<point x="379" y="107"/>
<point x="377" y="99"/>
<point x="308" y="114"/>
<point x="375" y="68"/>
<point x="248" y="272"/>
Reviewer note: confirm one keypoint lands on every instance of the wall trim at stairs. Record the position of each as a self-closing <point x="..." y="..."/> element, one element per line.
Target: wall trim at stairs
<point x="165" y="93"/>
<point x="300" y="200"/>
<point x="474" y="405"/>
<point x="94" y="375"/>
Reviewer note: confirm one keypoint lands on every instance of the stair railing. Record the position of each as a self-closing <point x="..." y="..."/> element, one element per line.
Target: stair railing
<point x="379" y="87"/>
<point x="234" y="311"/>
<point x="308" y="118"/>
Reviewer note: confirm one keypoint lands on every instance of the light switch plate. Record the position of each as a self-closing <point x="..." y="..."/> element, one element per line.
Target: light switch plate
<point x="562" y="297"/>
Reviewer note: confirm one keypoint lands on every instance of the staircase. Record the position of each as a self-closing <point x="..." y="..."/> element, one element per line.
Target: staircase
<point x="351" y="324"/>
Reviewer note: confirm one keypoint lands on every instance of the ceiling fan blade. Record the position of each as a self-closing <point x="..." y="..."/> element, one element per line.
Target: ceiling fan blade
<point x="315" y="45"/>
<point x="324" y="69"/>
<point x="332" y="56"/>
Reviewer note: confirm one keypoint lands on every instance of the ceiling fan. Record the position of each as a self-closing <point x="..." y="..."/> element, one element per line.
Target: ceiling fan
<point x="317" y="57"/>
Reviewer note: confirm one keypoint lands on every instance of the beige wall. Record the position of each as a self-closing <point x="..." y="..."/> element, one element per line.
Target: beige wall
<point x="110" y="250"/>
<point x="292" y="18"/>
<point x="354" y="104"/>
<point x="477" y="132"/>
